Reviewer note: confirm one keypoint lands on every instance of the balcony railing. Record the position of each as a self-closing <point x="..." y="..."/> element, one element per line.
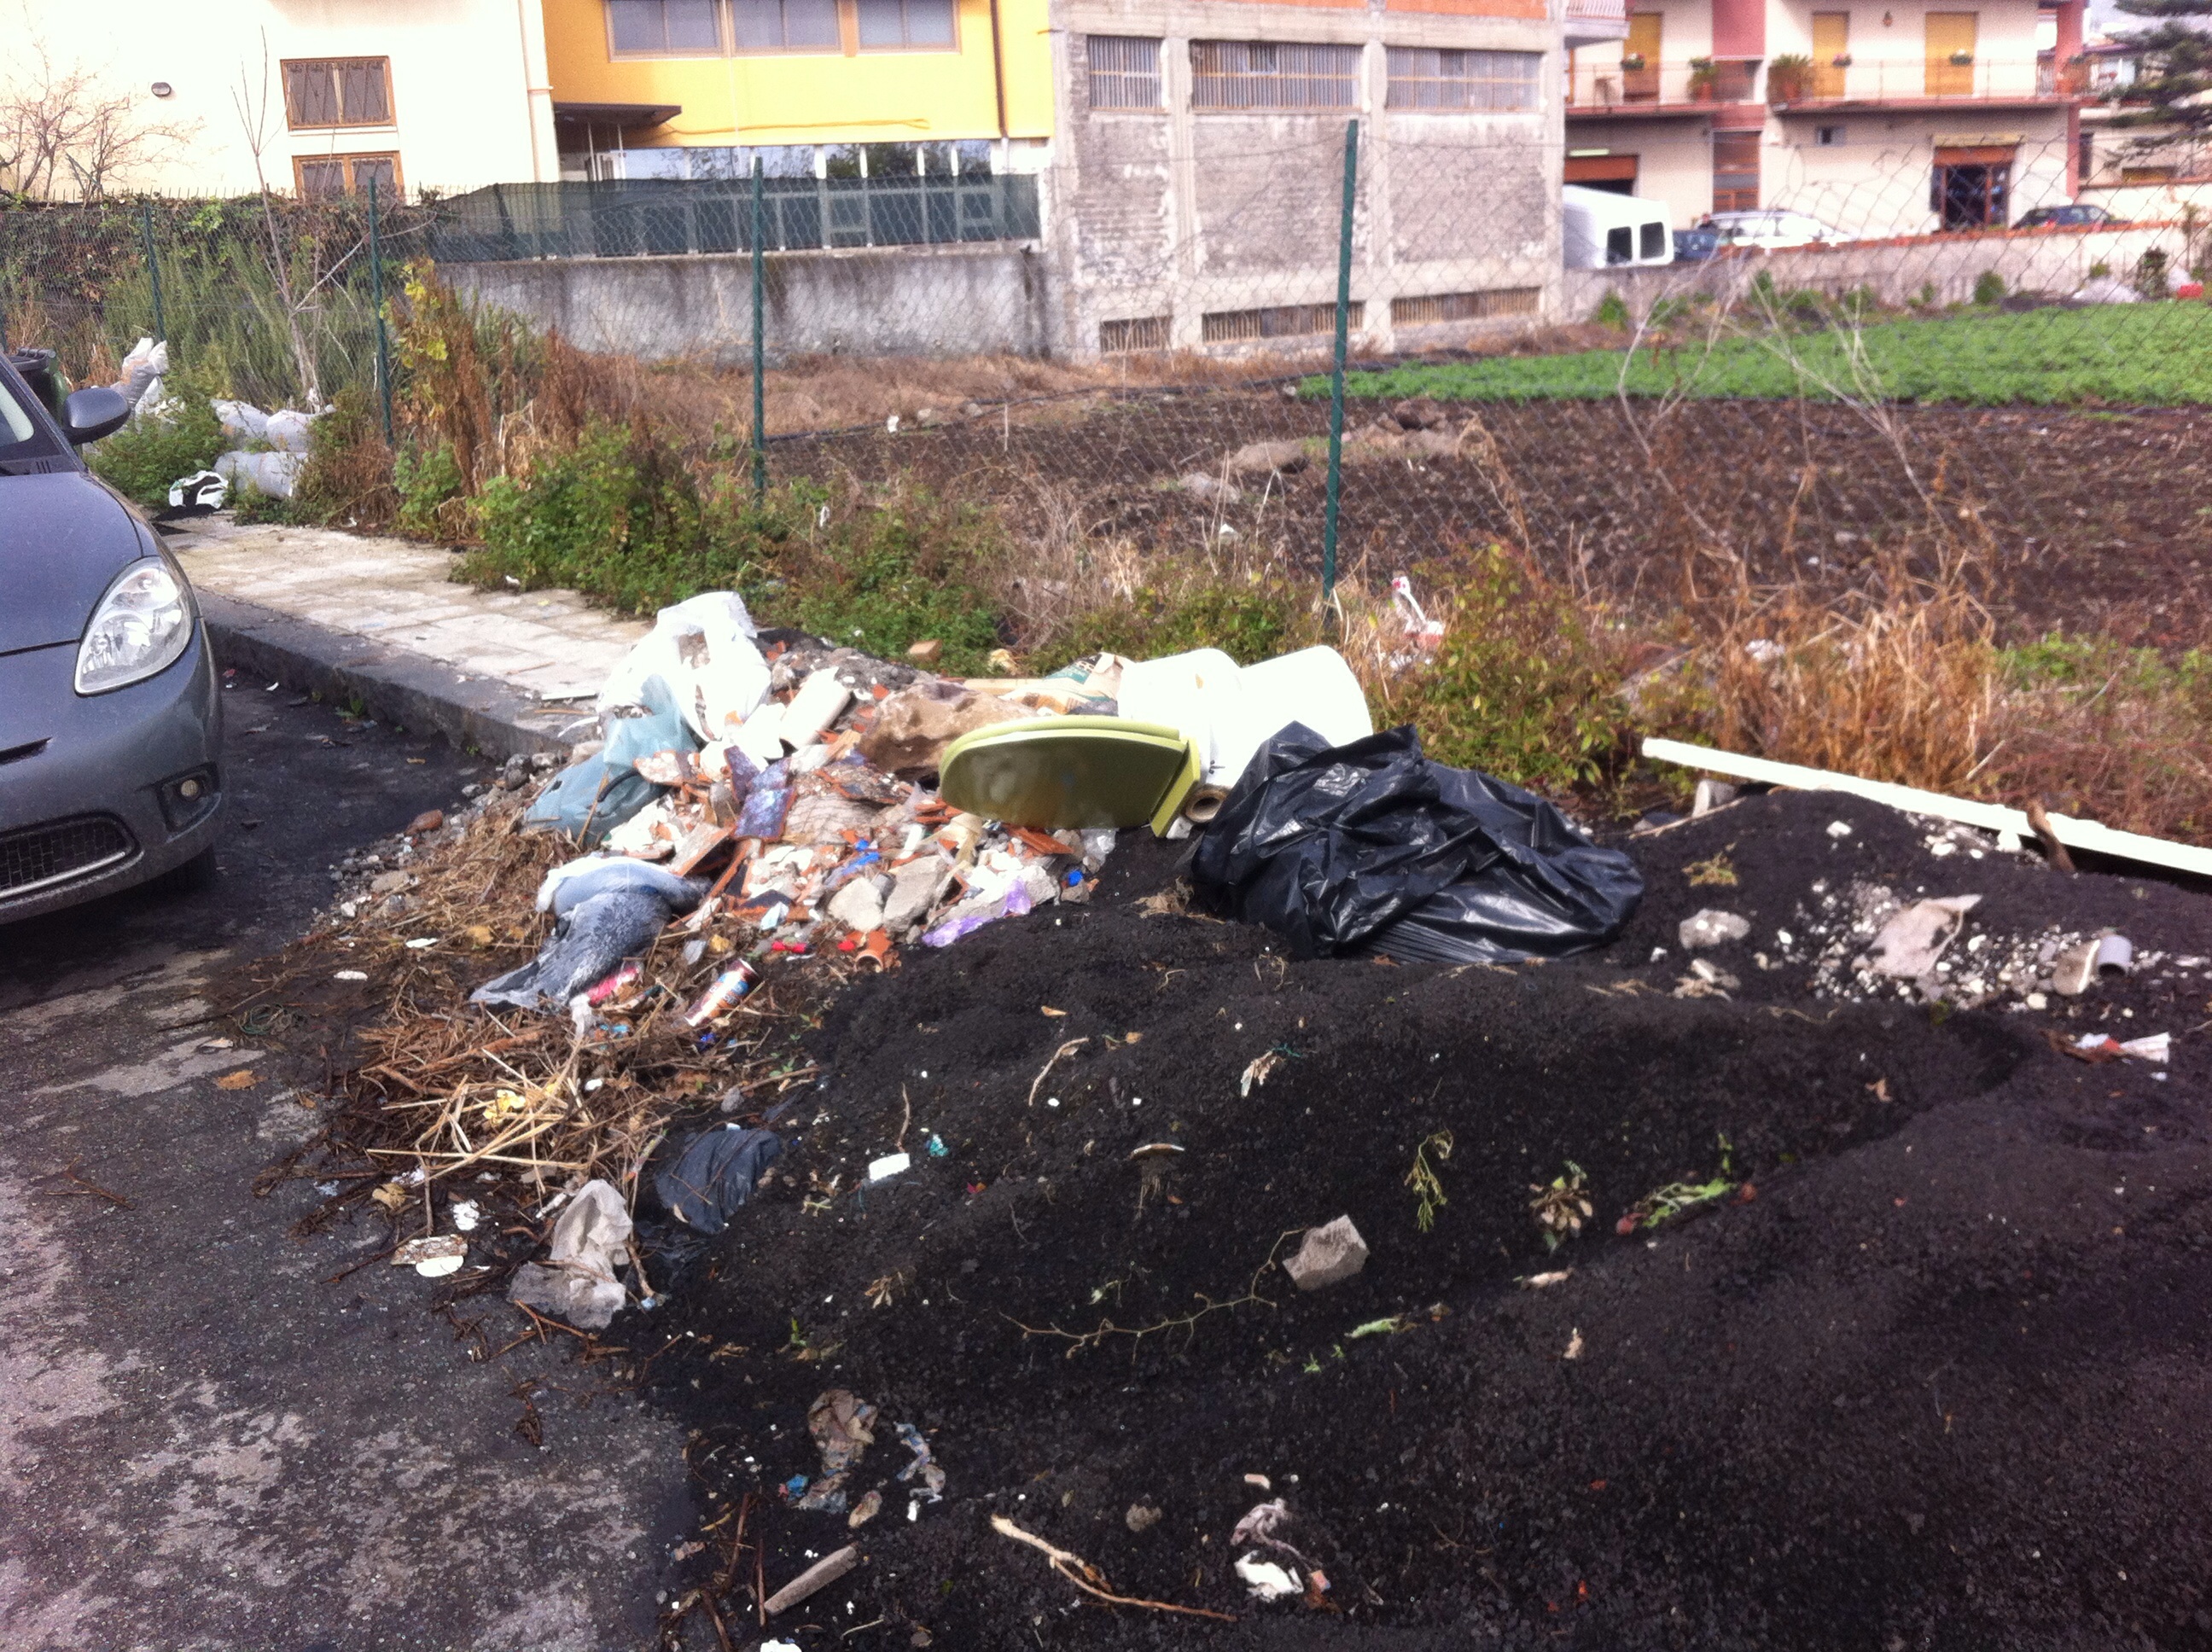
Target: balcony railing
<point x="1600" y="83"/>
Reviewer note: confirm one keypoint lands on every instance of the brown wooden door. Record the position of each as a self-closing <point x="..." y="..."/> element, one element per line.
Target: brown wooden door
<point x="1832" y="38"/>
<point x="1735" y="172"/>
<point x="1949" y="33"/>
<point x="1642" y="85"/>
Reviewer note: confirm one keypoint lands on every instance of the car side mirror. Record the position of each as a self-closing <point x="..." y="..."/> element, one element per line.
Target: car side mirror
<point x="94" y="412"/>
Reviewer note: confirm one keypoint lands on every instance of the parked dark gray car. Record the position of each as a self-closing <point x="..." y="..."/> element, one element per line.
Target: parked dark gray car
<point x="110" y="714"/>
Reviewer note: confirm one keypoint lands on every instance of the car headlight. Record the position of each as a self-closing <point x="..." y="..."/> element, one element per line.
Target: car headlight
<point x="141" y="626"/>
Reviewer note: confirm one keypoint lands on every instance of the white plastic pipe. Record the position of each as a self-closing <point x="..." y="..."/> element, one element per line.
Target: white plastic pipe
<point x="2085" y="835"/>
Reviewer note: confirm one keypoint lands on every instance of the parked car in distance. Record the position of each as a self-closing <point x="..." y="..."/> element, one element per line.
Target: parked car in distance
<point x="2076" y="216"/>
<point x="1602" y="228"/>
<point x="110" y="714"/>
<point x="1695" y="246"/>
<point x="1770" y="227"/>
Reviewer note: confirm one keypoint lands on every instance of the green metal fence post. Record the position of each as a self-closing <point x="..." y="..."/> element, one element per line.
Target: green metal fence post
<point x="153" y="268"/>
<point x="376" y="298"/>
<point x="1336" y="375"/>
<point x="760" y="344"/>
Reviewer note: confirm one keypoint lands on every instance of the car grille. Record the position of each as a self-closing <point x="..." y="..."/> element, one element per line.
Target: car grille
<point x="61" y="850"/>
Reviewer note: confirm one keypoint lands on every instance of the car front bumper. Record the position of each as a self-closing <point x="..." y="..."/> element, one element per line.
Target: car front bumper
<point x="91" y="789"/>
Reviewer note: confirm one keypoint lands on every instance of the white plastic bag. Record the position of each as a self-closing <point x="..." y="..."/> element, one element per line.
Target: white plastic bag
<point x="272" y="473"/>
<point x="242" y="422"/>
<point x="289" y="429"/>
<point x="703" y="649"/>
<point x="142" y="370"/>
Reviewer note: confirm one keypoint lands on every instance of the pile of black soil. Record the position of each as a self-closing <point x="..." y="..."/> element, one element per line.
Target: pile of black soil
<point x="1931" y="1372"/>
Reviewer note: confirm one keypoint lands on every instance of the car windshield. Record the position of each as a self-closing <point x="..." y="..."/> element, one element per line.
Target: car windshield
<point x="22" y="435"/>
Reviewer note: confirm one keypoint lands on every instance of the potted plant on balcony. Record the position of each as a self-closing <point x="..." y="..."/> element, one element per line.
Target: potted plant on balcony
<point x="1789" y="77"/>
<point x="1631" y="61"/>
<point x="1962" y="58"/>
<point x="1704" y="80"/>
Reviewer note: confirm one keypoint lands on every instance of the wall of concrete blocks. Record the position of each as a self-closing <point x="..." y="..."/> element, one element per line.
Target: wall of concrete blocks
<point x="2056" y="262"/>
<point x="1163" y="218"/>
<point x="988" y="299"/>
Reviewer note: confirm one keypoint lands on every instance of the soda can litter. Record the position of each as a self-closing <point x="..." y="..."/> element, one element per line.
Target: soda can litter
<point x="733" y="984"/>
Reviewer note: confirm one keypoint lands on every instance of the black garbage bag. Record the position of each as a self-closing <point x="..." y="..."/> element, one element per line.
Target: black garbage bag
<point x="1371" y="847"/>
<point x="715" y="1174"/>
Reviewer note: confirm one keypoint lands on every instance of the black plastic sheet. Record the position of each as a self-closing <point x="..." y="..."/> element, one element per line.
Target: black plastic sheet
<point x="1371" y="847"/>
<point x="716" y="1175"/>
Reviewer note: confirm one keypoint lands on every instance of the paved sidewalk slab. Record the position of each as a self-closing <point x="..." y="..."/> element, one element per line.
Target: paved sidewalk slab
<point x="378" y="620"/>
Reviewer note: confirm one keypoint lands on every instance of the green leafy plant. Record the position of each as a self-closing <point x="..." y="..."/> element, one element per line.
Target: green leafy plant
<point x="143" y="458"/>
<point x="428" y="483"/>
<point x="1246" y="620"/>
<point x="1788" y="76"/>
<point x="2151" y="279"/>
<point x="1679" y="1198"/>
<point x="1989" y="288"/>
<point x="1522" y="685"/>
<point x="1612" y="311"/>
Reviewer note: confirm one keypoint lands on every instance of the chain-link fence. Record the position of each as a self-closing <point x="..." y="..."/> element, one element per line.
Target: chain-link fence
<point x="270" y="299"/>
<point x="1135" y="347"/>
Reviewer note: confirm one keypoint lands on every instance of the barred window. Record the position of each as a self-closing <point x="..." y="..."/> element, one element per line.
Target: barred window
<point x="785" y="25"/>
<point x="1502" y="81"/>
<point x="1265" y="75"/>
<point x="1125" y="73"/>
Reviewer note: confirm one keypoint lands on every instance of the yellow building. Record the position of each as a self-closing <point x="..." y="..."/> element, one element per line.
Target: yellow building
<point x="820" y="87"/>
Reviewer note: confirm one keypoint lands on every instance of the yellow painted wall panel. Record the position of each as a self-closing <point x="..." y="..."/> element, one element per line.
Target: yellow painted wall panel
<point x="817" y="97"/>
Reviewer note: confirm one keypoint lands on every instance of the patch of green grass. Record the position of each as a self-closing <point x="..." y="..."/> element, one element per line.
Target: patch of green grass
<point x="2133" y="355"/>
<point x="887" y="578"/>
<point x="143" y="458"/>
<point x="1248" y="621"/>
<point x="624" y="521"/>
<point x="2056" y="661"/>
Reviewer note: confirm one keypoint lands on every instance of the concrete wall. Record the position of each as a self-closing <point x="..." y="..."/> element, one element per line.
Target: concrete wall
<point x="2056" y="262"/>
<point x="950" y="301"/>
<point x="470" y="101"/>
<point x="1176" y="214"/>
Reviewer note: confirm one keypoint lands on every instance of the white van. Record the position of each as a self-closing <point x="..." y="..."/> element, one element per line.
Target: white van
<point x="1602" y="229"/>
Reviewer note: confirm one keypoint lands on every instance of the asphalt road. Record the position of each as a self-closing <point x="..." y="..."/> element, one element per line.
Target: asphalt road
<point x="206" y="1444"/>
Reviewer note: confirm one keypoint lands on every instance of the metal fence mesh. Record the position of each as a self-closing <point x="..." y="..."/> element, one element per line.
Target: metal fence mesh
<point x="1156" y="358"/>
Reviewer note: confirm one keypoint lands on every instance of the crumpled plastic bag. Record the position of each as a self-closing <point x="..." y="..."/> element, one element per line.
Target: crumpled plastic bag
<point x="1371" y="847"/>
<point x="586" y="946"/>
<point x="702" y="650"/>
<point x="595" y="794"/>
<point x="716" y="1174"/>
<point x="576" y="1282"/>
<point x="574" y="882"/>
<point x="843" y="1427"/>
<point x="141" y="371"/>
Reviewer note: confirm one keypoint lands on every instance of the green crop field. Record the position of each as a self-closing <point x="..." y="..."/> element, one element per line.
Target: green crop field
<point x="2131" y="355"/>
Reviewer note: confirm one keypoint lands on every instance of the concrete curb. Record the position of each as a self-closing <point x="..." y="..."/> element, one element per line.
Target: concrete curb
<point x="407" y="689"/>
